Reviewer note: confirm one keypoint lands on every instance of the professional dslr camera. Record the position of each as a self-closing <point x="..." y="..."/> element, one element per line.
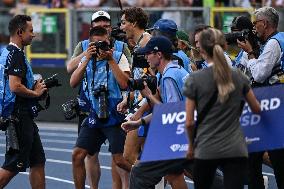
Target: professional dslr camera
<point x="52" y="82"/>
<point x="102" y="94"/>
<point x="232" y="37"/>
<point x="118" y="34"/>
<point x="4" y="123"/>
<point x="70" y="109"/>
<point x="139" y="60"/>
<point x="138" y="84"/>
<point x="103" y="45"/>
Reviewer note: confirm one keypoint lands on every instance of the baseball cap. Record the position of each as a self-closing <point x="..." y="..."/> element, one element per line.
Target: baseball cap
<point x="241" y="23"/>
<point x="182" y="35"/>
<point x="165" y="25"/>
<point x="98" y="14"/>
<point x="157" y="44"/>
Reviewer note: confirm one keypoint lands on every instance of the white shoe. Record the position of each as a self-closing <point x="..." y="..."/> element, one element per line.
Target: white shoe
<point x="265" y="181"/>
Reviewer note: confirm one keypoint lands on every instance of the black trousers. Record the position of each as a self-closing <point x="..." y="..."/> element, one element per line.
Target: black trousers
<point x="147" y="175"/>
<point x="255" y="168"/>
<point x="234" y="170"/>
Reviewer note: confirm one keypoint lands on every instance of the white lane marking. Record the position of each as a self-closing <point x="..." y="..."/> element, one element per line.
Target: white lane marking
<point x="55" y="141"/>
<point x="70" y="163"/>
<point x="64" y="150"/>
<point x="58" y="129"/>
<point x="65" y="162"/>
<point x="58" y="134"/>
<point x="56" y="179"/>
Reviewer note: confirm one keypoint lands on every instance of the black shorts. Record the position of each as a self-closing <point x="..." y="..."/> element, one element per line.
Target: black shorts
<point x="31" y="150"/>
<point x="91" y="139"/>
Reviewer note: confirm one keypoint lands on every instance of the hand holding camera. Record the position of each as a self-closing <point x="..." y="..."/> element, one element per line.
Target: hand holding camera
<point x="39" y="88"/>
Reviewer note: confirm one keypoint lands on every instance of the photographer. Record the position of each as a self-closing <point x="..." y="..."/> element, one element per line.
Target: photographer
<point x="241" y="29"/>
<point x="106" y="71"/>
<point x="19" y="91"/>
<point x="103" y="19"/>
<point x="266" y="70"/>
<point x="158" y="52"/>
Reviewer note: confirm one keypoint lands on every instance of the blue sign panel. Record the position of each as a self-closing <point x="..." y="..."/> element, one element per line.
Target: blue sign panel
<point x="167" y="138"/>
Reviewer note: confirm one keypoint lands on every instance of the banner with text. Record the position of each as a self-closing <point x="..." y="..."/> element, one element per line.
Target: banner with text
<point x="167" y="138"/>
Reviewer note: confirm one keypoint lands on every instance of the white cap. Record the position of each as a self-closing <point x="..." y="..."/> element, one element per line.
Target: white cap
<point x="100" y="14"/>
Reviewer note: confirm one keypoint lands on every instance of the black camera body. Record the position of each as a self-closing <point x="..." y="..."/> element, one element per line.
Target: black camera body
<point x="70" y="109"/>
<point x="52" y="82"/>
<point x="103" y="45"/>
<point x="139" y="60"/>
<point x="102" y="95"/>
<point x="4" y="122"/>
<point x="118" y="34"/>
<point x="232" y="37"/>
<point x="138" y="84"/>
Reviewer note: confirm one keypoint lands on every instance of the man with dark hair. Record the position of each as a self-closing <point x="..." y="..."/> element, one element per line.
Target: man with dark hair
<point x="103" y="19"/>
<point x="19" y="91"/>
<point x="105" y="72"/>
<point x="134" y="22"/>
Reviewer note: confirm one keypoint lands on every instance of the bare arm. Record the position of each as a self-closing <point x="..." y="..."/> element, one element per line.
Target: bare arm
<point x="120" y="76"/>
<point x="253" y="102"/>
<point x="78" y="54"/>
<point x="189" y="124"/>
<point x="19" y="89"/>
<point x="74" y="62"/>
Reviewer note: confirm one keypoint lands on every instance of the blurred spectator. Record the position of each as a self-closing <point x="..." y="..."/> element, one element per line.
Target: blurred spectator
<point x="274" y="3"/>
<point x="129" y="3"/>
<point x="4" y="21"/>
<point x="183" y="42"/>
<point x="59" y="3"/>
<point x="242" y="3"/>
<point x="88" y="3"/>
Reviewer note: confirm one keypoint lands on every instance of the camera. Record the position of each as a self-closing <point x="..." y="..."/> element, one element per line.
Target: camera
<point x="4" y="122"/>
<point x="52" y="82"/>
<point x="70" y="109"/>
<point x="103" y="45"/>
<point x="138" y="84"/>
<point x="101" y="94"/>
<point x="232" y="37"/>
<point x="139" y="60"/>
<point x="118" y="34"/>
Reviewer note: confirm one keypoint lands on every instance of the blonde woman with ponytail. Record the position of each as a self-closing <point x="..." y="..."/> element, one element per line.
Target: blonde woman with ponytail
<point x="217" y="94"/>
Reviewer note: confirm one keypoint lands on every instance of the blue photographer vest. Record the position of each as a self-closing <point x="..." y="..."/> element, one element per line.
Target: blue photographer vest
<point x="278" y="68"/>
<point x="179" y="75"/>
<point x="185" y="60"/>
<point x="7" y="98"/>
<point x="83" y="100"/>
<point x="280" y="38"/>
<point x="102" y="75"/>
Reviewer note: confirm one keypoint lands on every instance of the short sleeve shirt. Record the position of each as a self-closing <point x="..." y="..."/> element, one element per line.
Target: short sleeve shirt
<point x="219" y="134"/>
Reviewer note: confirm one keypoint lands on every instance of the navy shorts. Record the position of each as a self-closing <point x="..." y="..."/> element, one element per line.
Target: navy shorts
<point x="91" y="139"/>
<point x="31" y="150"/>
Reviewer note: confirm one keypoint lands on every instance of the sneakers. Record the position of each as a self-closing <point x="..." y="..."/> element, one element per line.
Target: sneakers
<point x="265" y="181"/>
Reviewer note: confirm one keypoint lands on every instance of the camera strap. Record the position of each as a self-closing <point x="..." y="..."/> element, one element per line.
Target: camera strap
<point x="94" y="70"/>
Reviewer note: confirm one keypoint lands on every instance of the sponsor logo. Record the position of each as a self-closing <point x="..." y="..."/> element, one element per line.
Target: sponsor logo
<point x="179" y="147"/>
<point x="251" y="140"/>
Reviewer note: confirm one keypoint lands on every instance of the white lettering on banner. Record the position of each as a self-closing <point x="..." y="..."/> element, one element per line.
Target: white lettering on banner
<point x="265" y="105"/>
<point x="249" y="120"/>
<point x="179" y="147"/>
<point x="251" y="140"/>
<point x="180" y="129"/>
<point x="169" y="118"/>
